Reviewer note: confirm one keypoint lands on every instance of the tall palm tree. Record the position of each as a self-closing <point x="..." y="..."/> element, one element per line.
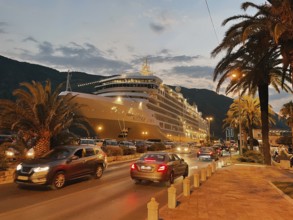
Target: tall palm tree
<point x="281" y="27"/>
<point x="247" y="110"/>
<point x="254" y="55"/>
<point x="286" y="113"/>
<point x="39" y="112"/>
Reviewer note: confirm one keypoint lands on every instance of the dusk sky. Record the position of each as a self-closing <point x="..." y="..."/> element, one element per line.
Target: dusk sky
<point x="107" y="37"/>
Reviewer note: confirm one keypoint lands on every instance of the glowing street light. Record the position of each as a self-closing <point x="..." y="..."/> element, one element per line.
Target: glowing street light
<point x="237" y="75"/>
<point x="209" y="119"/>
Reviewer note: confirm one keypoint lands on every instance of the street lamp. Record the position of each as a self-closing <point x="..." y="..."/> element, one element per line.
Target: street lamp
<point x="209" y="122"/>
<point x="237" y="75"/>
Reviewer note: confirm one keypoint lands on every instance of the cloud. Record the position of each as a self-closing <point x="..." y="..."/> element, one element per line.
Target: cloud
<point x="31" y="39"/>
<point x="194" y="71"/>
<point x="86" y="58"/>
<point x="158" y="28"/>
<point x="2" y="29"/>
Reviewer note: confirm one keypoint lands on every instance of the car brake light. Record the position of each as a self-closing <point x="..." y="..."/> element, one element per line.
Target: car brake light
<point x="162" y="168"/>
<point x="199" y="152"/>
<point x="133" y="167"/>
<point x="211" y="153"/>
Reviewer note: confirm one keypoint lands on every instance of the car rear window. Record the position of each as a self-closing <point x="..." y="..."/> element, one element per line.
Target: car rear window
<point x="205" y="149"/>
<point x="153" y="157"/>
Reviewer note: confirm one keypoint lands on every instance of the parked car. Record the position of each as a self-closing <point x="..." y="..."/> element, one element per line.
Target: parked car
<point x="61" y="164"/>
<point x="128" y="144"/>
<point x="85" y="141"/>
<point x="207" y="153"/>
<point x="183" y="148"/>
<point x="159" y="167"/>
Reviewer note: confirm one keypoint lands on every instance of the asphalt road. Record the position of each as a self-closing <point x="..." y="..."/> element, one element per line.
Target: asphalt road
<point x="114" y="196"/>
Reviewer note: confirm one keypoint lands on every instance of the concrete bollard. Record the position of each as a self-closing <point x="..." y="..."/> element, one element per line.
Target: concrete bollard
<point x="186" y="186"/>
<point x="213" y="166"/>
<point x="203" y="174"/>
<point x="196" y="180"/>
<point x="171" y="197"/>
<point x="153" y="209"/>
<point x="209" y="171"/>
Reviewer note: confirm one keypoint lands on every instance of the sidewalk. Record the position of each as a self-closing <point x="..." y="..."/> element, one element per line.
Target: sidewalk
<point x="236" y="192"/>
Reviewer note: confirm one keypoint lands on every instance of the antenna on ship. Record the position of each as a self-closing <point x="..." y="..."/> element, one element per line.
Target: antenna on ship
<point x="68" y="87"/>
<point x="145" y="69"/>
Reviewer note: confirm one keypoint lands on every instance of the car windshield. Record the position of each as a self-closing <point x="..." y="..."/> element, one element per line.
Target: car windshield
<point x="206" y="149"/>
<point x="57" y="154"/>
<point x="153" y="157"/>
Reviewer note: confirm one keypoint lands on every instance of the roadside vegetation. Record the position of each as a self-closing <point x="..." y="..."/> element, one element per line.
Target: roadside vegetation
<point x="259" y="53"/>
<point x="39" y="115"/>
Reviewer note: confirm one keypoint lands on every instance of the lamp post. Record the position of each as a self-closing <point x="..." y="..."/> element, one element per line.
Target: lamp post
<point x="209" y="119"/>
<point x="238" y="75"/>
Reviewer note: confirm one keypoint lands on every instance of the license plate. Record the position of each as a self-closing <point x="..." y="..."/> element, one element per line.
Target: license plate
<point x="22" y="177"/>
<point x="145" y="167"/>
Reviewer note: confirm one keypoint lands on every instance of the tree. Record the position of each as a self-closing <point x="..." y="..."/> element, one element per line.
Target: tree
<point x="252" y="53"/>
<point x="281" y="28"/>
<point x="40" y="113"/>
<point x="286" y="113"/>
<point x="247" y="110"/>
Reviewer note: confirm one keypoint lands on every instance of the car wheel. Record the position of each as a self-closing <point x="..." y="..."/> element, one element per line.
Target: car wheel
<point x="185" y="173"/>
<point x="137" y="181"/>
<point x="171" y="179"/>
<point x="58" y="180"/>
<point x="98" y="172"/>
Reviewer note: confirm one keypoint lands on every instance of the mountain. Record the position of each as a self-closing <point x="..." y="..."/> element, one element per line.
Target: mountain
<point x="13" y="72"/>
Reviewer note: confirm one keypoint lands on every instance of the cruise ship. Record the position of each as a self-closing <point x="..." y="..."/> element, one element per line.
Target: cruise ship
<point x="140" y="106"/>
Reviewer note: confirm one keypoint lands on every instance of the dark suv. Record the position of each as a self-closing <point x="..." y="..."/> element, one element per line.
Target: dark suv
<point x="61" y="164"/>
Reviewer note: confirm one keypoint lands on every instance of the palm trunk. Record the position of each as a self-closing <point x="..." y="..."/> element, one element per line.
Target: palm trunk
<point x="43" y="145"/>
<point x="263" y="91"/>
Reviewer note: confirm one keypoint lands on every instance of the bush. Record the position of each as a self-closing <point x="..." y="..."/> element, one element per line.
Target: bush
<point x="141" y="149"/>
<point x="3" y="161"/>
<point x="157" y="147"/>
<point x="113" y="151"/>
<point x="251" y="156"/>
<point x="127" y="150"/>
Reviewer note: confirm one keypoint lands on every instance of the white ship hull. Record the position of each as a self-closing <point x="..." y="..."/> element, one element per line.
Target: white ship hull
<point x="130" y="118"/>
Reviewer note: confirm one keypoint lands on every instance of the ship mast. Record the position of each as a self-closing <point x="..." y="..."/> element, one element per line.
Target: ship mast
<point x="145" y="69"/>
<point x="68" y="87"/>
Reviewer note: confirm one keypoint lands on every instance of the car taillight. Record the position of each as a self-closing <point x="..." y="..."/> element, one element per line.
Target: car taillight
<point x="133" y="166"/>
<point x="211" y="153"/>
<point x="162" y="168"/>
<point x="198" y="152"/>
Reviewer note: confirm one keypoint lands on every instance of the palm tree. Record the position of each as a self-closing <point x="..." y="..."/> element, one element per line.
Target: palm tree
<point x="40" y="113"/>
<point x="281" y="27"/>
<point x="247" y="110"/>
<point x="286" y="113"/>
<point x="255" y="56"/>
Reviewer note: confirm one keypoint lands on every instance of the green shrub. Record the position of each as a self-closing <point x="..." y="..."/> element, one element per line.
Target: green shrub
<point x="157" y="147"/>
<point x="113" y="151"/>
<point x="3" y="161"/>
<point x="251" y="156"/>
<point x="127" y="150"/>
<point x="141" y="149"/>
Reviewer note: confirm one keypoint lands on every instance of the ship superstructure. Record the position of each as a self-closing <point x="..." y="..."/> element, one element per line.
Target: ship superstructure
<point x="140" y="106"/>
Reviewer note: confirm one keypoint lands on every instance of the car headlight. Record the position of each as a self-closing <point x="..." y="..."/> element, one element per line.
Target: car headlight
<point x="40" y="169"/>
<point x="186" y="149"/>
<point x="9" y="153"/>
<point x="19" y="166"/>
<point x="178" y="148"/>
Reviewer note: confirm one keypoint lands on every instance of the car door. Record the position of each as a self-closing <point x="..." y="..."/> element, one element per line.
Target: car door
<point x="181" y="165"/>
<point x="175" y="163"/>
<point x="76" y="167"/>
<point x="90" y="159"/>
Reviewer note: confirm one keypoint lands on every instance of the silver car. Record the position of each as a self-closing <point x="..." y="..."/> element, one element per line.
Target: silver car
<point x="159" y="167"/>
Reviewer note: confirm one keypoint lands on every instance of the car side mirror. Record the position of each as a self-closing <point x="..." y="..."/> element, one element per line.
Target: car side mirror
<point x="74" y="157"/>
<point x="182" y="160"/>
